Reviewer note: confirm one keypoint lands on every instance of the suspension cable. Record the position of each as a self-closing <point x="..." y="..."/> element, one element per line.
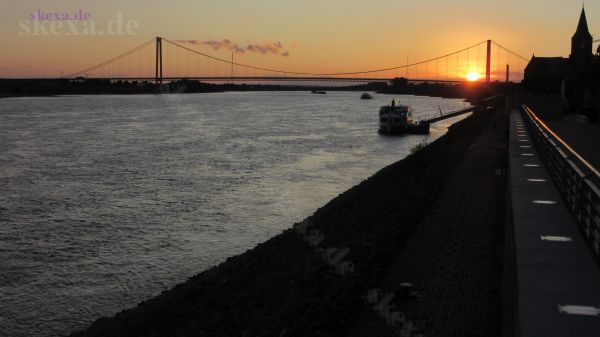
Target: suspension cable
<point x="510" y="51"/>
<point x="322" y="74"/>
<point x="143" y="45"/>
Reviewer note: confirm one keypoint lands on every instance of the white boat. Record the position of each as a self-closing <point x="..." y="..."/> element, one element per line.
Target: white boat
<point x="397" y="119"/>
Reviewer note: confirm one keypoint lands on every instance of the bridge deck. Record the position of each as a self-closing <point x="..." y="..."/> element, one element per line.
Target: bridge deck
<point x="551" y="275"/>
<point x="273" y="79"/>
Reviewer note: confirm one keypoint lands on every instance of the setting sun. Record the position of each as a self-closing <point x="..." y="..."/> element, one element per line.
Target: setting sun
<point x="472" y="76"/>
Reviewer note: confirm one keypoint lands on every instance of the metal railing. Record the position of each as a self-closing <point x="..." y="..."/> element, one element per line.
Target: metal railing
<point x="573" y="176"/>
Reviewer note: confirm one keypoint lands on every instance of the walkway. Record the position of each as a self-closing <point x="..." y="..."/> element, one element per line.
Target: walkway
<point x="583" y="138"/>
<point x="558" y="282"/>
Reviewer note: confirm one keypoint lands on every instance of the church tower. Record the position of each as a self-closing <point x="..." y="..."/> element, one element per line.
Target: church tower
<point x="581" y="44"/>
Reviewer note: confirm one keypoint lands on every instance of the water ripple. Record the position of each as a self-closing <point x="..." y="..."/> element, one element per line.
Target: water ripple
<point x="108" y="200"/>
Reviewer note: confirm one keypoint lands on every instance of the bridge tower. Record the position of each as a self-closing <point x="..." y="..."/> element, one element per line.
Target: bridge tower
<point x="159" y="64"/>
<point x="487" y="61"/>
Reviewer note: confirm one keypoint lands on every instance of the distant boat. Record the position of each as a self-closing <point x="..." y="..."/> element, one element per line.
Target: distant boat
<point x="396" y="119"/>
<point x="366" y="95"/>
<point x="318" y="92"/>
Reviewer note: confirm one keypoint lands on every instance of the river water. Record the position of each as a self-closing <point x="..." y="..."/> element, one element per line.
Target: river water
<point x="108" y="200"/>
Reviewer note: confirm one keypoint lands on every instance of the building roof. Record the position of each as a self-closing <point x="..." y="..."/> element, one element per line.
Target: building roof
<point x="582" y="27"/>
<point x="548" y="63"/>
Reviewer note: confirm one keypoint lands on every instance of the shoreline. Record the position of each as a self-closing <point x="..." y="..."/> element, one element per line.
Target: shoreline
<point x="61" y="87"/>
<point x="295" y="284"/>
<point x="467" y="99"/>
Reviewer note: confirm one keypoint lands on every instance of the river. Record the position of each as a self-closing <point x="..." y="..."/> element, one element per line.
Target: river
<point x="109" y="200"/>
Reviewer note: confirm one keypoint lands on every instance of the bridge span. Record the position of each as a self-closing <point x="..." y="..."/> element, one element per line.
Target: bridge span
<point x="161" y="59"/>
<point x="246" y="79"/>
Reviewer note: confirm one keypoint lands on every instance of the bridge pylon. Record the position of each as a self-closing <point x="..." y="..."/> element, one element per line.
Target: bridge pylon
<point x="159" y="63"/>
<point x="488" y="61"/>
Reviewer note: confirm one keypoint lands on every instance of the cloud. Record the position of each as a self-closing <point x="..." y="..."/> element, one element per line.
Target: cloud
<point x="266" y="48"/>
<point x="274" y="48"/>
<point x="224" y="44"/>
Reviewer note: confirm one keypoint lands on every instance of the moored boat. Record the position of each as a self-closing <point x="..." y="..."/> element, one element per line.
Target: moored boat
<point x="396" y="119"/>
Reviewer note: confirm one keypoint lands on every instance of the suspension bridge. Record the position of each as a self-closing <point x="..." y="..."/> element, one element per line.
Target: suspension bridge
<point x="160" y="59"/>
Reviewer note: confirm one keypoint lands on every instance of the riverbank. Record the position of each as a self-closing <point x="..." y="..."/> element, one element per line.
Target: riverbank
<point x="56" y="87"/>
<point x="285" y="287"/>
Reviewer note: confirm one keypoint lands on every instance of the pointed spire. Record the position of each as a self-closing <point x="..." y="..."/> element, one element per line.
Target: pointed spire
<point x="582" y="26"/>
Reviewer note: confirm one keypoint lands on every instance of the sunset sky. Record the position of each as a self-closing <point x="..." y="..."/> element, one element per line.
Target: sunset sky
<point x="307" y="35"/>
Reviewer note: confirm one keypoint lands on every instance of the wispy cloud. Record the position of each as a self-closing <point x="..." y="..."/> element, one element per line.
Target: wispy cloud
<point x="274" y="48"/>
<point x="224" y="44"/>
<point x="266" y="48"/>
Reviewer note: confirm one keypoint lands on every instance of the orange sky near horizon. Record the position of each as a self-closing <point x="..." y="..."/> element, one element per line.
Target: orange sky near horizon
<point x="319" y="36"/>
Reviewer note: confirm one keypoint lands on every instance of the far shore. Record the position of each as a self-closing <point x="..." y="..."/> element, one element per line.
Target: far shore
<point x="61" y="87"/>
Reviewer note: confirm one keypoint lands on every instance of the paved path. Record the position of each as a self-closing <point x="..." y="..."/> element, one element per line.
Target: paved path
<point x="555" y="270"/>
<point x="454" y="259"/>
<point x="583" y="138"/>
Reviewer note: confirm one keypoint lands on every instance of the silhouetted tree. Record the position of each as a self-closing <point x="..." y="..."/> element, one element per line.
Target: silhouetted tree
<point x="399" y="82"/>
